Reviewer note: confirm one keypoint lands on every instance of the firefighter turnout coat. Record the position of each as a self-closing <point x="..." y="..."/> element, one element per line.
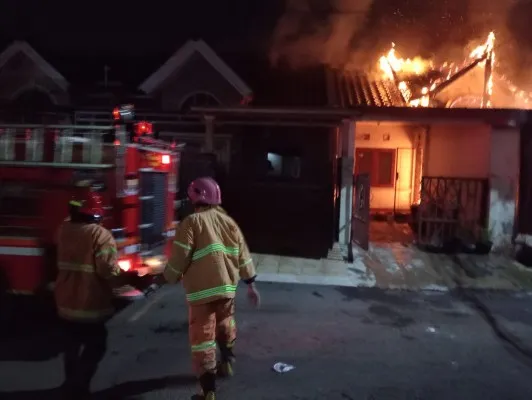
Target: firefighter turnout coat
<point x="87" y="260"/>
<point x="210" y="255"/>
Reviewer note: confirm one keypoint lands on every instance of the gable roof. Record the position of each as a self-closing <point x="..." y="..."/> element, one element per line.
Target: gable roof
<point x="179" y="59"/>
<point x="23" y="47"/>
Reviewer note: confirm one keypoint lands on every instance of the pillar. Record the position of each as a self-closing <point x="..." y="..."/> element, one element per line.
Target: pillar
<point x="420" y="145"/>
<point x="209" y="134"/>
<point x="504" y="180"/>
<point x="347" y="162"/>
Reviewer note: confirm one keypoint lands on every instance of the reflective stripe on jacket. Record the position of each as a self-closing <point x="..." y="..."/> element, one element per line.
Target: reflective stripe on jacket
<point x="211" y="256"/>
<point x="86" y="259"/>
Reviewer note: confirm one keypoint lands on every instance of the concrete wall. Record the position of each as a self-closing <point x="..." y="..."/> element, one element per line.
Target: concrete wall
<point x="458" y="150"/>
<point x="280" y="215"/>
<point x="480" y="151"/>
<point x="400" y="137"/>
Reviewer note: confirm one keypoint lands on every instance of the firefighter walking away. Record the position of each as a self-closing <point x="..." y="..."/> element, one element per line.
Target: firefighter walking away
<point x="87" y="273"/>
<point x="210" y="255"/>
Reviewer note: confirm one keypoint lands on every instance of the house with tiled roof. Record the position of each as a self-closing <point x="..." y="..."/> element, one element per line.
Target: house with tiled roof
<point x="298" y="181"/>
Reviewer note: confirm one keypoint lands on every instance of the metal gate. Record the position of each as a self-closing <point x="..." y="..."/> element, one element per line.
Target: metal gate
<point x="451" y="209"/>
<point x="360" y="217"/>
<point x="524" y="213"/>
<point x="152" y="207"/>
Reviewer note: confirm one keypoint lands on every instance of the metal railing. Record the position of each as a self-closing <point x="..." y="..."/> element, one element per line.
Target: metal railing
<point x="55" y="144"/>
<point x="450" y="209"/>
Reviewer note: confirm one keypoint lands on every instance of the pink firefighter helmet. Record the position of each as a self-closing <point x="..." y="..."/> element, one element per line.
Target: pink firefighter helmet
<point x="204" y="191"/>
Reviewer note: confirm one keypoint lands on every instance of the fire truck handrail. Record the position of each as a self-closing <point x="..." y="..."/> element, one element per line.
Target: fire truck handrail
<point x="62" y="127"/>
<point x="55" y="164"/>
<point x="159" y="145"/>
<point x="154" y="149"/>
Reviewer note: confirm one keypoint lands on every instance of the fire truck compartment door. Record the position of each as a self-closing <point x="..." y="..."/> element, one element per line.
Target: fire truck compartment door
<point x="153" y="196"/>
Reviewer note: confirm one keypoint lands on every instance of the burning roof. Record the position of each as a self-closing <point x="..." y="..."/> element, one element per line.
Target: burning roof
<point x="418" y="82"/>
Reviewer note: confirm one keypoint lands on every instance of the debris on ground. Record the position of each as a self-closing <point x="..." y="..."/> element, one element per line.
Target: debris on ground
<point x="281" y="368"/>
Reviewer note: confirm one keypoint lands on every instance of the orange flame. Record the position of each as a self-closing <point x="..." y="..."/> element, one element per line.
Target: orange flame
<point x="390" y="62"/>
<point x="480" y="51"/>
<point x="393" y="67"/>
<point x="484" y="51"/>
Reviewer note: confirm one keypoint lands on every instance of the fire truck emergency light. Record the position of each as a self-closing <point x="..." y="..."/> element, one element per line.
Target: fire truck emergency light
<point x="165" y="159"/>
<point x="143" y="128"/>
<point x="125" y="265"/>
<point x="125" y="113"/>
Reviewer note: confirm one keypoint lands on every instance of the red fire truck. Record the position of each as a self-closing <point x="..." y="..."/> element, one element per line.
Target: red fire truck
<point x="42" y="167"/>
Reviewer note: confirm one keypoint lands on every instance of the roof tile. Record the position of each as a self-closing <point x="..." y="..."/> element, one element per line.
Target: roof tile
<point x="358" y="89"/>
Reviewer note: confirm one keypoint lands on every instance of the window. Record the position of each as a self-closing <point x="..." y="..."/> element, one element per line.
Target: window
<point x="378" y="163"/>
<point x="283" y="166"/>
<point x="199" y="100"/>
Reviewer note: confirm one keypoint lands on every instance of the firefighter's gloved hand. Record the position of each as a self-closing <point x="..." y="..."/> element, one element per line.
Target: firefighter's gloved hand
<point x="253" y="295"/>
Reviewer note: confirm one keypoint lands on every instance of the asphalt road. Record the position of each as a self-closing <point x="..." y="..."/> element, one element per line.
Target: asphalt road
<point x="345" y="344"/>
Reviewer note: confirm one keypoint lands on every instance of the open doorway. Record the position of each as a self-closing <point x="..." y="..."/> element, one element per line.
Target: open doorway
<point x="384" y="152"/>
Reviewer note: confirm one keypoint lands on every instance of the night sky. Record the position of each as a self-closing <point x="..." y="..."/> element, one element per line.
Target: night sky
<point x="100" y="27"/>
<point x="426" y="27"/>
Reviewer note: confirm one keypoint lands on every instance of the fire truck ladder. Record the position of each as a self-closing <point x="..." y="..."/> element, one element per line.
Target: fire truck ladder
<point x="66" y="146"/>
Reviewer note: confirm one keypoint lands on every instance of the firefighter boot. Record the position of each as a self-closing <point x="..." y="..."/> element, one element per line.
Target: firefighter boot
<point x="208" y="386"/>
<point x="225" y="367"/>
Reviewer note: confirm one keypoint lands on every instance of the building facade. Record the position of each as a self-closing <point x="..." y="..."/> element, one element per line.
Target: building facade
<point x="298" y="180"/>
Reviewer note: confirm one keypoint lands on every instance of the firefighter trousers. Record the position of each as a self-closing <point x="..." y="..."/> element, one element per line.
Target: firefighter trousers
<point x="211" y="325"/>
<point x="85" y="345"/>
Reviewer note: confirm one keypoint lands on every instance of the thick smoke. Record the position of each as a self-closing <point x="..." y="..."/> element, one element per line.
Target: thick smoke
<point x="354" y="33"/>
<point x="314" y="32"/>
<point x="510" y="19"/>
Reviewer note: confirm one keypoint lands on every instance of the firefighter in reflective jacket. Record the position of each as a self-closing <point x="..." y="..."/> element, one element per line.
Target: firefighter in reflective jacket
<point x="210" y="255"/>
<point x="87" y="271"/>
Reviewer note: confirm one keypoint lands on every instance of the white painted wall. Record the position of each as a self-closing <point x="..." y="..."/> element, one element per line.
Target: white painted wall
<point x="374" y="135"/>
<point x="504" y="181"/>
<point x="480" y="151"/>
<point x="458" y="150"/>
<point x="399" y="135"/>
